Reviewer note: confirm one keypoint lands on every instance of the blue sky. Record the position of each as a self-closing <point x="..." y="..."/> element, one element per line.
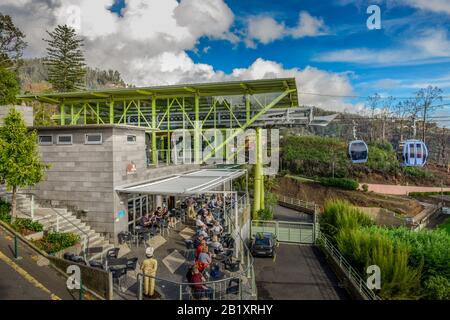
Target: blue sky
<point x="326" y="45"/>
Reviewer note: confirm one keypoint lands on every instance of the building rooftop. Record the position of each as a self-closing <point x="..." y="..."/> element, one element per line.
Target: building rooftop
<point x="228" y="88"/>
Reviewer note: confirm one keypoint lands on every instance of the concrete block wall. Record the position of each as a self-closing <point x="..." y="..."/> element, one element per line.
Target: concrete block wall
<point x="26" y="111"/>
<point x="83" y="177"/>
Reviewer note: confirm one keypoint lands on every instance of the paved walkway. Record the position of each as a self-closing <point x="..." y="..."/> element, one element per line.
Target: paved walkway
<point x="401" y="190"/>
<point x="29" y="278"/>
<point x="297" y="273"/>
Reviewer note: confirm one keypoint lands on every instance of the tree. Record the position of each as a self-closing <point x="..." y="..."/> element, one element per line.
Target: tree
<point x="426" y="97"/>
<point x="65" y="60"/>
<point x="9" y="86"/>
<point x="372" y="105"/>
<point x="20" y="165"/>
<point x="11" y="41"/>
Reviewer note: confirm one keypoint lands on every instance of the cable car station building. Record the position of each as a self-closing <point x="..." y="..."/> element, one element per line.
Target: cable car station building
<point x="112" y="149"/>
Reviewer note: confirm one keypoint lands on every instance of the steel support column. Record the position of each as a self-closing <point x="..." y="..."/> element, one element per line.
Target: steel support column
<point x="197" y="144"/>
<point x="63" y="114"/>
<point x="257" y="173"/>
<point x="154" y="155"/>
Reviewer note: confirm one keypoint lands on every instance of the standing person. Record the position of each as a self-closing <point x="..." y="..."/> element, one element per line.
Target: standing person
<point x="148" y="268"/>
<point x="190" y="207"/>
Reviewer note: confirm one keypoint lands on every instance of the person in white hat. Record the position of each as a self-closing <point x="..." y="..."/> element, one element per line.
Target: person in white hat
<point x="148" y="268"/>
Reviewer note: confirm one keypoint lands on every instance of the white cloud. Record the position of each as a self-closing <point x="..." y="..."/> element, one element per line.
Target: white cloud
<point x="148" y="44"/>
<point x="266" y="29"/>
<point x="308" y="26"/>
<point x="439" y="6"/>
<point x="431" y="46"/>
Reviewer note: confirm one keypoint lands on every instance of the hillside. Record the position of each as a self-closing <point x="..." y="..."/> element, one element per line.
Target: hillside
<point x="33" y="76"/>
<point x="314" y="156"/>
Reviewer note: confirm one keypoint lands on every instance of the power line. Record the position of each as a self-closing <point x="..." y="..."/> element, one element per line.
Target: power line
<point x="355" y="96"/>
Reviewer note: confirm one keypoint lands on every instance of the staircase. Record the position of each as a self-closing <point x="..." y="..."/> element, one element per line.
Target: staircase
<point x="61" y="220"/>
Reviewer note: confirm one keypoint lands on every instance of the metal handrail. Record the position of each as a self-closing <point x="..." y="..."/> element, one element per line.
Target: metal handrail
<point x="297" y="202"/>
<point x="58" y="215"/>
<point x="247" y="270"/>
<point x="351" y="273"/>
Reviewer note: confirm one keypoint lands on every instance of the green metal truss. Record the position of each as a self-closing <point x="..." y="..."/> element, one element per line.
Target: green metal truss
<point x="234" y="105"/>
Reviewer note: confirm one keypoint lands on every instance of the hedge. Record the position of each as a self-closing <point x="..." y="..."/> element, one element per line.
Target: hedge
<point x="342" y="183"/>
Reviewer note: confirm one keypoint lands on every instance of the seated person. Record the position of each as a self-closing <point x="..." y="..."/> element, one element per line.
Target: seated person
<point x="199" y="249"/>
<point x="216" y="245"/>
<point x="202" y="210"/>
<point x="198" y="240"/>
<point x="203" y="233"/>
<point x="204" y="259"/>
<point x="146" y="220"/>
<point x="199" y="223"/>
<point x="196" y="280"/>
<point x="209" y="219"/>
<point x="217" y="229"/>
<point x="212" y="203"/>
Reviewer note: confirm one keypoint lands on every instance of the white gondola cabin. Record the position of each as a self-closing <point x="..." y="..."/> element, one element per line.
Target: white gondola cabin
<point x="358" y="151"/>
<point x="413" y="153"/>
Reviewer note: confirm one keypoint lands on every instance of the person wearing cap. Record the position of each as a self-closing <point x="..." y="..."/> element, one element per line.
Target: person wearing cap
<point x="148" y="268"/>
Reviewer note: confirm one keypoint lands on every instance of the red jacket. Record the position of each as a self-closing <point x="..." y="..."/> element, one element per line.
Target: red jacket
<point x="196" y="280"/>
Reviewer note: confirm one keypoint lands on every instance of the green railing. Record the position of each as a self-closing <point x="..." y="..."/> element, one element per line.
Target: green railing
<point x="350" y="273"/>
<point x="286" y="231"/>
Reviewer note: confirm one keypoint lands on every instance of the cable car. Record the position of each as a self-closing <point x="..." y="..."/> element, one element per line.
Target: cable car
<point x="358" y="151"/>
<point x="413" y="153"/>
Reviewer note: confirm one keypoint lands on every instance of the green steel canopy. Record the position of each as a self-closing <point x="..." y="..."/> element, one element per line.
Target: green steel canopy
<point x="253" y="87"/>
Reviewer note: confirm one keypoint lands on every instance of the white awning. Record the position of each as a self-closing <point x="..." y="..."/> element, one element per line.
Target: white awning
<point x="200" y="181"/>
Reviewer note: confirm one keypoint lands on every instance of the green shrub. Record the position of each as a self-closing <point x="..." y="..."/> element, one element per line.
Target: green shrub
<point x="342" y="183"/>
<point x="362" y="249"/>
<point x="427" y="247"/>
<point x="264" y="214"/>
<point x="5" y="209"/>
<point x="416" y="172"/>
<point x="365" y="187"/>
<point x="437" y="288"/>
<point x="425" y="194"/>
<point x="57" y="241"/>
<point x="340" y="214"/>
<point x="22" y="225"/>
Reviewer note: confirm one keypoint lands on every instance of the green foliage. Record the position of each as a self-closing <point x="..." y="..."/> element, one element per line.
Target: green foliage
<point x="264" y="214"/>
<point x="314" y="155"/>
<point x="11" y="41"/>
<point x="382" y="158"/>
<point x="22" y="225"/>
<point x="65" y="60"/>
<point x="342" y="183"/>
<point x="9" y="86"/>
<point x="5" y="209"/>
<point x="445" y="226"/>
<point x="437" y="288"/>
<point x="362" y="249"/>
<point x="57" y="241"/>
<point x="340" y="214"/>
<point x="424" y="194"/>
<point x="365" y="187"/>
<point x="411" y="262"/>
<point x="416" y="172"/>
<point x="20" y="165"/>
<point x="430" y="247"/>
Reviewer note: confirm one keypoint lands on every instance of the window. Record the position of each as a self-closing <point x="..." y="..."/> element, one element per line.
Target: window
<point x="45" y="140"/>
<point x="93" y="138"/>
<point x="131" y="138"/>
<point x="65" y="139"/>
